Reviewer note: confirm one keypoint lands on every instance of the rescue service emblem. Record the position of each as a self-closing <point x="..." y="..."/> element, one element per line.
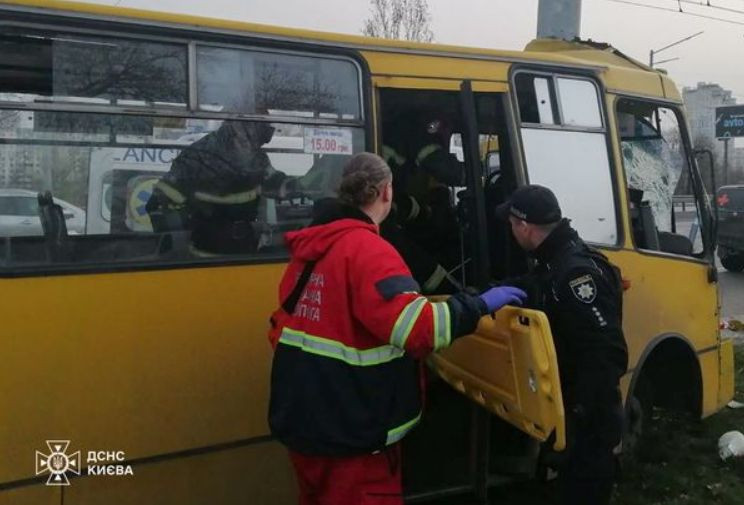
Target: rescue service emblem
<point x="584" y="288"/>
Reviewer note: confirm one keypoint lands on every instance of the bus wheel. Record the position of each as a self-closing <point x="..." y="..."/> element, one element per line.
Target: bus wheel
<point x="733" y="262"/>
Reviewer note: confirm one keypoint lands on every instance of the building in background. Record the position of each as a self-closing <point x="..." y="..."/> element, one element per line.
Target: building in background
<point x="701" y="103"/>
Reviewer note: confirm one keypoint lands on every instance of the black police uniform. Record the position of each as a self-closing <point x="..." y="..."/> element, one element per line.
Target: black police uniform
<point x="581" y="293"/>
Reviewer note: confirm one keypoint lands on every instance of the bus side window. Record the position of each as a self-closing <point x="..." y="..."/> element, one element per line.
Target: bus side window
<point x="220" y="177"/>
<point x="568" y="152"/>
<point x="536" y="99"/>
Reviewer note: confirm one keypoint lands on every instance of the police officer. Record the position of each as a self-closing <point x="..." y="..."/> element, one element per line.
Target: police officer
<point x="214" y="186"/>
<point x="581" y="293"/>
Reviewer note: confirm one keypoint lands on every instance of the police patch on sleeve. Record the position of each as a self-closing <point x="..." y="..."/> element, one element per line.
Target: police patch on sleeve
<point x="584" y="288"/>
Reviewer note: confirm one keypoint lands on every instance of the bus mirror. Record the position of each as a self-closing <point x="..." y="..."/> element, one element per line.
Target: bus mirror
<point x="711" y="165"/>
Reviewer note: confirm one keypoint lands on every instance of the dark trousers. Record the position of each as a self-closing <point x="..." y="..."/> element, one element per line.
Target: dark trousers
<point x="594" y="430"/>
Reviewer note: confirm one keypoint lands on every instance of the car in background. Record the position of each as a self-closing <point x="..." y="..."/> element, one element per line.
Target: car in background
<point x="731" y="227"/>
<point x="19" y="214"/>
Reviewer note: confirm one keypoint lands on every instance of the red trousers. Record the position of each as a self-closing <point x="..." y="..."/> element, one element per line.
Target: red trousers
<point x="368" y="479"/>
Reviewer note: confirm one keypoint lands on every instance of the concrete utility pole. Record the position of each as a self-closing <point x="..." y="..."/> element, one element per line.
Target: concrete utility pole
<point x="559" y="19"/>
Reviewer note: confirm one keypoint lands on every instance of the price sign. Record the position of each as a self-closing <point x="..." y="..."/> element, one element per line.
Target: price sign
<point x="328" y="141"/>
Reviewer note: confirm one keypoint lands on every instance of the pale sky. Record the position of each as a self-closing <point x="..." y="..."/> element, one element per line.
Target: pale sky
<point x="715" y="56"/>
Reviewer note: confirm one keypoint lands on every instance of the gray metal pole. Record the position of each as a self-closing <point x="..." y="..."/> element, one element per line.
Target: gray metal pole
<point x="559" y="19"/>
<point x="656" y="51"/>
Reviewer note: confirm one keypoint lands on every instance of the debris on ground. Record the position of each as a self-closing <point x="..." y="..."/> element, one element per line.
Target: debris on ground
<point x="715" y="489"/>
<point x="732" y="324"/>
<point x="733" y="404"/>
<point x="731" y="444"/>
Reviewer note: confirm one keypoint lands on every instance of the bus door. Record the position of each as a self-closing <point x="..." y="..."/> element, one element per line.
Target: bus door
<point x="508" y="366"/>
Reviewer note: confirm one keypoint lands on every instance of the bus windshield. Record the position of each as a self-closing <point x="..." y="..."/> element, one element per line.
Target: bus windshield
<point x="654" y="155"/>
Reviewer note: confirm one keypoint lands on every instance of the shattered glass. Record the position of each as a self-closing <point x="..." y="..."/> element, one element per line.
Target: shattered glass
<point x="654" y="164"/>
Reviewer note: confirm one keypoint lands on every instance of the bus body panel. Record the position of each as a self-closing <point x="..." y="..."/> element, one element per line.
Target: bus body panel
<point x="148" y="363"/>
<point x="398" y="64"/>
<point x="258" y="473"/>
<point x="710" y="364"/>
<point x="725" y="376"/>
<point x="31" y="495"/>
<point x="653" y="277"/>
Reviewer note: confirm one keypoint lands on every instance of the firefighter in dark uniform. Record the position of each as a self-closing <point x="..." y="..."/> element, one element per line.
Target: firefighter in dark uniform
<point x="214" y="186"/>
<point x="426" y="169"/>
<point x="423" y="226"/>
<point x="581" y="293"/>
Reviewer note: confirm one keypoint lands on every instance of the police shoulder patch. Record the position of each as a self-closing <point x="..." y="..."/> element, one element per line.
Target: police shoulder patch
<point x="584" y="288"/>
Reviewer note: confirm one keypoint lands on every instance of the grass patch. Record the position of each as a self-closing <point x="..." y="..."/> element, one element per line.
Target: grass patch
<point x="679" y="462"/>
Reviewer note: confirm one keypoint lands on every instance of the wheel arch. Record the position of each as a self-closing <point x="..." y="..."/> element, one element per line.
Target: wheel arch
<point x="677" y="351"/>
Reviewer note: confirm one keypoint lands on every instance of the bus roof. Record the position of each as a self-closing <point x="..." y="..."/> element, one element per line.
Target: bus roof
<point x="619" y="72"/>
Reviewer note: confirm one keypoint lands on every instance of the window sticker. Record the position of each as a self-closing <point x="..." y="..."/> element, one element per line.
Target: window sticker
<point x="328" y="141"/>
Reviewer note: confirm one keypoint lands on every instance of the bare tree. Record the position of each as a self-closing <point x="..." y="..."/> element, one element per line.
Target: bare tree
<point x="399" y="19"/>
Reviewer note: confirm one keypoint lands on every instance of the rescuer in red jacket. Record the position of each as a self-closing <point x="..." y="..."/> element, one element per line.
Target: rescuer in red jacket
<point x="345" y="385"/>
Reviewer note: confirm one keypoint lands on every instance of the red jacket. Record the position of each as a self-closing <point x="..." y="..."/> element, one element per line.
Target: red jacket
<point x="344" y="379"/>
<point x="343" y="300"/>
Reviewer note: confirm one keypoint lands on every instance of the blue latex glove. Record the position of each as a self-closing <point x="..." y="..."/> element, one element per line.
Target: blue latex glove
<point x="496" y="298"/>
